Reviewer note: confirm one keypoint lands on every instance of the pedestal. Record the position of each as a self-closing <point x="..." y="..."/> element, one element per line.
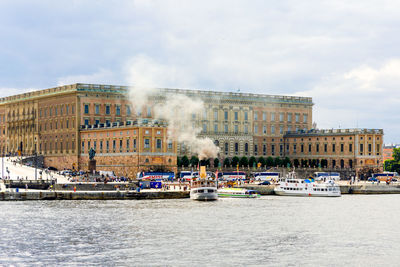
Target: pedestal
<point x="92" y="166"/>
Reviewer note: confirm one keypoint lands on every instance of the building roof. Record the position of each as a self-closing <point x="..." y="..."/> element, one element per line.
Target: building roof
<point x="329" y="132"/>
<point x="118" y="89"/>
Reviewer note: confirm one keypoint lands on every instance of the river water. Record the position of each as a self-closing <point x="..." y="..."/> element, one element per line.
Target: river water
<point x="360" y="230"/>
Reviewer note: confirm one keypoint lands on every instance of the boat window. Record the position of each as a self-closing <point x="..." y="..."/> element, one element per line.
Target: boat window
<point x="200" y="191"/>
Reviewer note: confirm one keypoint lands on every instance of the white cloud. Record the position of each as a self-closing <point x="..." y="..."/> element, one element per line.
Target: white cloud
<point x="103" y="76"/>
<point x="273" y="47"/>
<point x="365" y="96"/>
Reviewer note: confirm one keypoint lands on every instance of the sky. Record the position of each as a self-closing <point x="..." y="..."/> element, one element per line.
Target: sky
<point x="343" y="54"/>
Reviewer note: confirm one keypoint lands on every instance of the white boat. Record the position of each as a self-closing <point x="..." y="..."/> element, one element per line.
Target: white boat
<point x="237" y="193"/>
<point x="203" y="188"/>
<point x="293" y="186"/>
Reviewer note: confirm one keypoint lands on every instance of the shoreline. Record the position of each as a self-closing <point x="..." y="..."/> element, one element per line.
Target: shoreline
<point x="30" y="194"/>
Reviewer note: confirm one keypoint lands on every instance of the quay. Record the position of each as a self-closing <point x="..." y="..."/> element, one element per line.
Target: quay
<point x="344" y="188"/>
<point x="90" y="195"/>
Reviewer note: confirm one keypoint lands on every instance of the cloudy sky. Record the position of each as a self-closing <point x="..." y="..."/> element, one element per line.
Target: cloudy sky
<point x="344" y="54"/>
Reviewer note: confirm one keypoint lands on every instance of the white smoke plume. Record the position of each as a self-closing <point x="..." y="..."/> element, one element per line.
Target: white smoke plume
<point x="177" y="110"/>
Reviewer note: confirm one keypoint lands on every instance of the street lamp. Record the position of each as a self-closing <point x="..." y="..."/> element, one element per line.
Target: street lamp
<point x="35" y="165"/>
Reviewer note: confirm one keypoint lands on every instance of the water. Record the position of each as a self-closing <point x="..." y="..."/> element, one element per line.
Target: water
<point x="352" y="230"/>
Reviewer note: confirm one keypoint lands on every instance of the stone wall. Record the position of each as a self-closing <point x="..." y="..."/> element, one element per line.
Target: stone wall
<point x="61" y="162"/>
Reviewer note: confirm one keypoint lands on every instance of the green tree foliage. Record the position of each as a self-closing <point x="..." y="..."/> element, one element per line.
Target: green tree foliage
<point x="396" y="154"/>
<point x="194" y="161"/>
<point x="205" y="162"/>
<point x="324" y="163"/>
<point x="262" y="161"/>
<point x="304" y="163"/>
<point x="244" y="162"/>
<point x="216" y="162"/>
<point x="394" y="164"/>
<point x="286" y="162"/>
<point x="227" y="162"/>
<point x="277" y="162"/>
<point x="269" y="162"/>
<point x="314" y="163"/>
<point x="253" y="162"/>
<point x="185" y="161"/>
<point x="178" y="162"/>
<point x="235" y="161"/>
<point x="296" y="163"/>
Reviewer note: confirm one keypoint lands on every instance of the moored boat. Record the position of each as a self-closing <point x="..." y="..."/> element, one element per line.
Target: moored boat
<point x="203" y="188"/>
<point x="293" y="186"/>
<point x="237" y="193"/>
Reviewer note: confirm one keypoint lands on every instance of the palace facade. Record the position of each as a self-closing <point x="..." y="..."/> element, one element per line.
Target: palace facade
<point x="336" y="148"/>
<point x="56" y="123"/>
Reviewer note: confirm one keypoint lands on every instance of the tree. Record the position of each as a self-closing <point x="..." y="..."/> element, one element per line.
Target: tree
<point x="244" y="162"/>
<point x="185" y="161"/>
<point x="235" y="161"/>
<point x="269" y="162"/>
<point x="396" y="154"/>
<point x="313" y="163"/>
<point x="296" y="163"/>
<point x="262" y="161"/>
<point x="227" y="162"/>
<point x="216" y="163"/>
<point x="324" y="163"/>
<point x="194" y="161"/>
<point x="277" y="162"/>
<point x="286" y="162"/>
<point x="206" y="162"/>
<point x="178" y="162"/>
<point x="304" y="163"/>
<point x="391" y="166"/>
<point x="253" y="162"/>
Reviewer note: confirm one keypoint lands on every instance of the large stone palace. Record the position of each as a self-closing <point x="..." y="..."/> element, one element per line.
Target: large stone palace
<point x="56" y="123"/>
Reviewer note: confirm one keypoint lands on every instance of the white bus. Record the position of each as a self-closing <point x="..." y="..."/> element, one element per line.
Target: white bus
<point x="266" y="176"/>
<point x="326" y="176"/>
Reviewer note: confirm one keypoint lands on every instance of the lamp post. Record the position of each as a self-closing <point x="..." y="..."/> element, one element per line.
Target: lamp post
<point x="35" y="165"/>
<point x="2" y="164"/>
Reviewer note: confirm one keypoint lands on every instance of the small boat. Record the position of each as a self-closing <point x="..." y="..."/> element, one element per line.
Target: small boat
<point x="203" y="188"/>
<point x="237" y="193"/>
<point x="293" y="186"/>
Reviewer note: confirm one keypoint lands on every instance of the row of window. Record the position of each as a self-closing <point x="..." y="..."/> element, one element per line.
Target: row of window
<point x="56" y="146"/>
<point x="273" y="129"/>
<point x="57" y="125"/>
<point x="106" y="109"/>
<point x="118" y="145"/>
<point x="273" y="116"/>
<point x="333" y="148"/>
<point x="57" y="110"/>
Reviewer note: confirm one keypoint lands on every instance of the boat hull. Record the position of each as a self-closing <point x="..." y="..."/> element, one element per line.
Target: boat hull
<point x="306" y="194"/>
<point x="204" y="194"/>
<point x="223" y="195"/>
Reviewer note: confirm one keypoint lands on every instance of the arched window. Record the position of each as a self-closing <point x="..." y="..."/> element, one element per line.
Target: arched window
<point x="236" y="148"/>
<point x="216" y="142"/>
<point x="226" y="148"/>
<point x="246" y="148"/>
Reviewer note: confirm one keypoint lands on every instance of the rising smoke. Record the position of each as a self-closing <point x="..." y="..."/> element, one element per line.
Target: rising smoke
<point x="176" y="109"/>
